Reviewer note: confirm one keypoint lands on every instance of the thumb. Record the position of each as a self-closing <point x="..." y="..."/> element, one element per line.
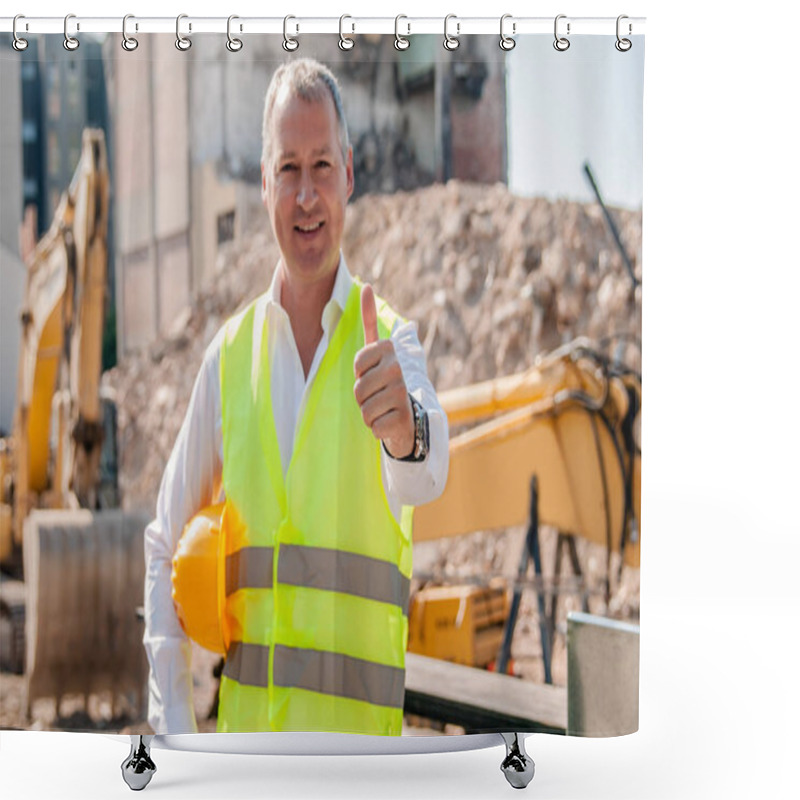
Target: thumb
<point x="369" y="314"/>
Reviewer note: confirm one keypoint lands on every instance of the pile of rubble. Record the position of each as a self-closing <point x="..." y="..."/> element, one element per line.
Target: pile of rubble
<point x="491" y="279"/>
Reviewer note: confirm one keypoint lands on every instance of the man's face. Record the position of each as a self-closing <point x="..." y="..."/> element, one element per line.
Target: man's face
<point x="306" y="186"/>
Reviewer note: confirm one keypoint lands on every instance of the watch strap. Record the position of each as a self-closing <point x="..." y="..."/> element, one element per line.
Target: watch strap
<point x="421" y="433"/>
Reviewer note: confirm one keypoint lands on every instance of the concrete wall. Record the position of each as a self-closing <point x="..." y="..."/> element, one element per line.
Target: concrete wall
<point x="12" y="271"/>
<point x="478" y="111"/>
<point x="213" y="196"/>
<point x="149" y="90"/>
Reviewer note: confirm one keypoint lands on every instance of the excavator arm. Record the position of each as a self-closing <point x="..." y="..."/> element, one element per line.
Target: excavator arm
<point x="570" y="421"/>
<point x="61" y="349"/>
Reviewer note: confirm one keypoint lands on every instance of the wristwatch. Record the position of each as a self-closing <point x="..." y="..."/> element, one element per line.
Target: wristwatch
<point x="422" y="436"/>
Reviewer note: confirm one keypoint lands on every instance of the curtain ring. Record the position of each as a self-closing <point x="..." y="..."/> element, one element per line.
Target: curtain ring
<point x="400" y="42"/>
<point x="345" y="42"/>
<point x="129" y="43"/>
<point x="623" y="45"/>
<point x="290" y="43"/>
<point x="19" y="44"/>
<point x="506" y="42"/>
<point x="233" y="44"/>
<point x="561" y="43"/>
<point x="183" y="43"/>
<point x="70" y="42"/>
<point x="451" y="42"/>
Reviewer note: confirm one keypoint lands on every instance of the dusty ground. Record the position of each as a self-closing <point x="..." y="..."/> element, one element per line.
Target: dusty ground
<point x="492" y="280"/>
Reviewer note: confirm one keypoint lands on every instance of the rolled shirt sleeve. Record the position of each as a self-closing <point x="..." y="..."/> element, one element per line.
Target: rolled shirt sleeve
<point x="407" y="482"/>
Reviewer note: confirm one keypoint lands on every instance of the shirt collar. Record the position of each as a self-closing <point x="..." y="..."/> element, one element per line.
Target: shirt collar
<point x="342" y="285"/>
<point x="339" y="296"/>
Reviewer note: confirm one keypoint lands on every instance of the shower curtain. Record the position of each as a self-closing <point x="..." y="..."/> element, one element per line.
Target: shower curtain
<point x="496" y="203"/>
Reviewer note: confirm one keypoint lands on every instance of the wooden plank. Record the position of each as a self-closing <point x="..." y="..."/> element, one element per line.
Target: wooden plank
<point x="482" y="701"/>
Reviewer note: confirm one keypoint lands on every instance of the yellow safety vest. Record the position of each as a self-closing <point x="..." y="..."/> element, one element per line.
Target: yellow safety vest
<point x="316" y="568"/>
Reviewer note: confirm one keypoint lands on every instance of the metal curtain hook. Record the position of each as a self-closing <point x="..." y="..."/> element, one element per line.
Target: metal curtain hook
<point x="345" y="42"/>
<point x="129" y="43"/>
<point x="506" y="42"/>
<point x="623" y="45"/>
<point x="400" y="42"/>
<point x="451" y="42"/>
<point x="290" y="43"/>
<point x="234" y="45"/>
<point x="182" y="42"/>
<point x="19" y="44"/>
<point x="70" y="42"/>
<point x="561" y="43"/>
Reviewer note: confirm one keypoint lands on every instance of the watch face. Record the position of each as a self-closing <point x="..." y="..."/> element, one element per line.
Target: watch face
<point x="422" y="431"/>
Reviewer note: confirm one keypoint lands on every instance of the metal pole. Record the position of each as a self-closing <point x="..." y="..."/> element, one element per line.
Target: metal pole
<point x="533" y="547"/>
<point x="529" y="551"/>
<point x="612" y="226"/>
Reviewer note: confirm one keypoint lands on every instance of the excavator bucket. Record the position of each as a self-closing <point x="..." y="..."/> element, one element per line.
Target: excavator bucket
<point x="84" y="582"/>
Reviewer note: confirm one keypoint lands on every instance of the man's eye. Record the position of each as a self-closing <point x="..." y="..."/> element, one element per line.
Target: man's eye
<point x="288" y="168"/>
<point x="322" y="164"/>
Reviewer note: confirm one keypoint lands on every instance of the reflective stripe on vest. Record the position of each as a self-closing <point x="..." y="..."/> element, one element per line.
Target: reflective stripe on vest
<point x="317" y="671"/>
<point x="248" y="568"/>
<point x="316" y="568"/>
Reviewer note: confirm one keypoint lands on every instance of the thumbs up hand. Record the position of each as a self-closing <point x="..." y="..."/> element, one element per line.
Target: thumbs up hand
<point x="380" y="389"/>
<point x="369" y="314"/>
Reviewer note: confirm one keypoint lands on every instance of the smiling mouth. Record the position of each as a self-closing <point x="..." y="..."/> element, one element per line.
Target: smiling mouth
<point x="309" y="228"/>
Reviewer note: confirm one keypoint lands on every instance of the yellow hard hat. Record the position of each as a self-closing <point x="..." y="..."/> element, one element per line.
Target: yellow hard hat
<point x="196" y="576"/>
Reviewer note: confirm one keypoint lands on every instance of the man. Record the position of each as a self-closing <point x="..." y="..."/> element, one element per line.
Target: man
<point x="313" y="417"/>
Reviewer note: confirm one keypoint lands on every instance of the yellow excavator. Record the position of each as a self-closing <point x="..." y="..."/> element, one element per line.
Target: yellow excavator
<point x="70" y="558"/>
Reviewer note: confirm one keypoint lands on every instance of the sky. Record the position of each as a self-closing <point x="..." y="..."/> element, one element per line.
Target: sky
<point x="584" y="104"/>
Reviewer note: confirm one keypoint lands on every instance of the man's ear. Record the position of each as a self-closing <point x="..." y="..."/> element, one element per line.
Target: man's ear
<point x="349" y="169"/>
<point x="263" y="183"/>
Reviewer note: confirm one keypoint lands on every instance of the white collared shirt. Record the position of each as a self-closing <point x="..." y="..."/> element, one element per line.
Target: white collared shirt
<point x="193" y="476"/>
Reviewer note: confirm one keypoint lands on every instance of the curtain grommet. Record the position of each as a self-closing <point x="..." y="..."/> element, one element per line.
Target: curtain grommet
<point x="623" y="45"/>
<point x="346" y="43"/>
<point x="401" y="42"/>
<point x="451" y="42"/>
<point x="233" y="44"/>
<point x="561" y="43"/>
<point x="18" y="43"/>
<point x="70" y="42"/>
<point x="290" y="43"/>
<point x="128" y="43"/>
<point x="183" y="43"/>
<point x="507" y="42"/>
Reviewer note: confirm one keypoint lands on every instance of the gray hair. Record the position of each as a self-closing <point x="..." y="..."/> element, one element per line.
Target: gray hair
<point x="310" y="80"/>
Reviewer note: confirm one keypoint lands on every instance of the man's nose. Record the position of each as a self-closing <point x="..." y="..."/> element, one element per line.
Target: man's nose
<point x="306" y="192"/>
